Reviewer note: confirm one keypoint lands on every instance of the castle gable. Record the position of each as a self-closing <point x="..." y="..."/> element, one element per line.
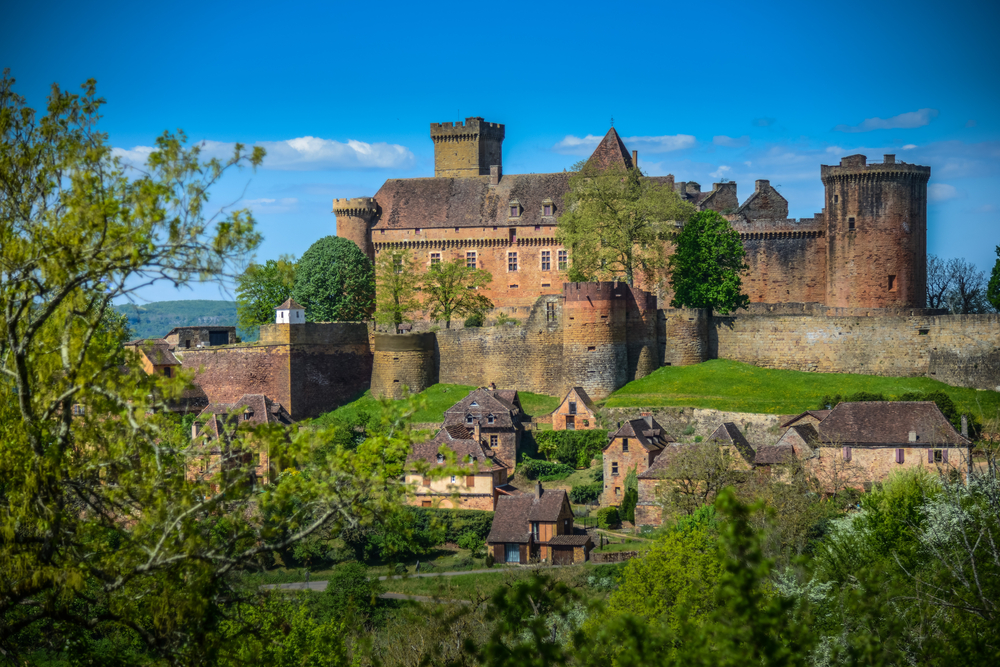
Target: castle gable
<point x="764" y="203"/>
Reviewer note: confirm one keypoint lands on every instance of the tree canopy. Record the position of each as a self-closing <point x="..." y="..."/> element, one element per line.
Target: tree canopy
<point x="993" y="288"/>
<point x="452" y="290"/>
<point x="615" y="222"/>
<point x="261" y="288"/>
<point x="397" y="283"/>
<point x="335" y="281"/>
<point x="706" y="266"/>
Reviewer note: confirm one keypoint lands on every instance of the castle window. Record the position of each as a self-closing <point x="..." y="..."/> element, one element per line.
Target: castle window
<point x="493" y="441"/>
<point x="614" y="467"/>
<point x="550" y="311"/>
<point x="468" y="419"/>
<point x="456" y="229"/>
<point x="416" y="231"/>
<point x="892" y="283"/>
<point x="470" y="260"/>
<point x="489" y="419"/>
<point x="435" y="258"/>
<point x="512" y="261"/>
<point x="547" y="209"/>
<point x="538" y="228"/>
<point x="515" y="208"/>
<point x="624" y="444"/>
<point x="546" y="260"/>
<point x="850" y="224"/>
<point x="562" y="258"/>
<point x="397" y="263"/>
<point x="836" y="198"/>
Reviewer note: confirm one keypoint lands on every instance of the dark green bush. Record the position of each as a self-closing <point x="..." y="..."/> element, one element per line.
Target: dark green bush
<point x="583" y="494"/>
<point x="574" y="448"/>
<point x="607" y="517"/>
<point x="474" y="320"/>
<point x="535" y="469"/>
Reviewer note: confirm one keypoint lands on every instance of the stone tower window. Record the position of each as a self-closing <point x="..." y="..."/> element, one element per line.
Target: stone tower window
<point x="550" y="310"/>
<point x="512" y="261"/>
<point x="435" y="258"/>
<point x="562" y="259"/>
<point x="836" y="198"/>
<point x="546" y="260"/>
<point x="470" y="260"/>
<point x="892" y="283"/>
<point x="850" y="224"/>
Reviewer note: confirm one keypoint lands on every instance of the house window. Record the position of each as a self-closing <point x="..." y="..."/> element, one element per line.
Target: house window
<point x="850" y="224"/>
<point x="452" y="479"/>
<point x="512" y="261"/>
<point x="892" y="283"/>
<point x="565" y="526"/>
<point x="618" y="491"/>
<point x="586" y="423"/>
<point x="187" y="343"/>
<point x="534" y="529"/>
<point x="435" y="258"/>
<point x="166" y="371"/>
<point x="561" y="256"/>
<point x="470" y="260"/>
<point x="847" y="453"/>
<point x="425" y="503"/>
<point x="493" y="441"/>
<point x="440" y="458"/>
<point x="937" y="455"/>
<point x="624" y="444"/>
<point x="547" y="209"/>
<point x="572" y="407"/>
<point x="512" y="553"/>
<point x="426" y="481"/>
<point x="514" y="211"/>
<point x="614" y="467"/>
<point x="468" y="419"/>
<point x="570" y="423"/>
<point x="489" y="419"/>
<point x="397" y="263"/>
<point x="78" y="409"/>
<point x="247" y="415"/>
<point x="470" y="481"/>
<point x="546" y="260"/>
<point x="900" y="457"/>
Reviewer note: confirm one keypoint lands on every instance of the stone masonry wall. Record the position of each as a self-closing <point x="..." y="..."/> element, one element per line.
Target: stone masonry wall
<point x="403" y="361"/>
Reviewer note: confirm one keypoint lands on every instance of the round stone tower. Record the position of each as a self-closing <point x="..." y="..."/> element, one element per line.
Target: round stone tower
<point x="640" y="317"/>
<point x="595" y="345"/>
<point x="354" y="220"/>
<point x="403" y="360"/>
<point x="876" y="217"/>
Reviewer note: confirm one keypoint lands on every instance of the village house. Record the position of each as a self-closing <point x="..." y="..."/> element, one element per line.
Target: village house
<point x="484" y="480"/>
<point x="634" y="445"/>
<point x="731" y="440"/>
<point x="200" y="336"/>
<point x="537" y="527"/>
<point x="498" y="414"/>
<point x="155" y="356"/>
<point x="576" y="412"/>
<point x="648" y="510"/>
<point x="213" y="430"/>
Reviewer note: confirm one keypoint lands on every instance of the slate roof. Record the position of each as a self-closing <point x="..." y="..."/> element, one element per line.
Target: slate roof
<point x="499" y="403"/>
<point x="583" y="396"/>
<point x="513" y="514"/>
<point x="260" y="408"/>
<point x="575" y="540"/>
<point x="818" y="414"/>
<point x="807" y="432"/>
<point x="657" y="469"/>
<point x="157" y="350"/>
<point x="772" y="454"/>
<point x="647" y="432"/>
<point x="728" y="433"/>
<point x="290" y="304"/>
<point x="458" y="439"/>
<point x="611" y="151"/>
<point x="888" y="423"/>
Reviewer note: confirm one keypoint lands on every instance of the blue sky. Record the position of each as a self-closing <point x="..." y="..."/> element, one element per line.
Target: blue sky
<point x="342" y="94"/>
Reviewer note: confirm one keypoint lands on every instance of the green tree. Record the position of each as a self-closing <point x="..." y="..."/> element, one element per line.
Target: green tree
<point x="396" y="287"/>
<point x="452" y="290"/>
<point x="631" y="496"/>
<point x="615" y="222"/>
<point x="262" y="288"/>
<point x="102" y="534"/>
<point x="993" y="288"/>
<point x="706" y="266"/>
<point x="335" y="282"/>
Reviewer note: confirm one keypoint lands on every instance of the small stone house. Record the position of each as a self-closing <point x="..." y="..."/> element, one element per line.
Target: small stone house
<point x="576" y="412"/>
<point x="539" y="526"/>
<point x="185" y="338"/>
<point x="498" y="413"/>
<point x="478" y="489"/>
<point x="731" y="440"/>
<point x="212" y="430"/>
<point x="808" y="417"/>
<point x="648" y="511"/>
<point x="155" y="356"/>
<point x="635" y="444"/>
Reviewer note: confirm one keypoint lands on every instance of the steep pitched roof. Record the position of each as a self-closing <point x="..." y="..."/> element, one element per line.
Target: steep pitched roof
<point x="459" y="440"/>
<point x="290" y="304"/>
<point x="658" y="468"/>
<point x="157" y="350"/>
<point x="611" y="151"/>
<point x="819" y="415"/>
<point x="513" y="514"/>
<point x="646" y="431"/>
<point x="581" y="393"/>
<point x="480" y="403"/>
<point x="888" y="423"/>
<point x="251" y="410"/>
<point x="729" y="434"/>
<point x="548" y="507"/>
<point x="773" y="454"/>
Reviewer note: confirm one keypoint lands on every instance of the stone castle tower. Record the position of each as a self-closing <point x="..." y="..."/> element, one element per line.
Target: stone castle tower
<point x="876" y="218"/>
<point x="355" y="218"/>
<point x="469" y="149"/>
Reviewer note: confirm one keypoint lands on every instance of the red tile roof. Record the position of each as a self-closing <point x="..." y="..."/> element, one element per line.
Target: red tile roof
<point x="611" y="151"/>
<point x="888" y="423"/>
<point x="646" y="431"/>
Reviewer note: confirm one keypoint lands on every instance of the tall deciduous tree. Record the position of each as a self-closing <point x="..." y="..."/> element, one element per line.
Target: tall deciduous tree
<point x="335" y="281"/>
<point x="615" y="222"/>
<point x="261" y="288"/>
<point x="705" y="269"/>
<point x="939" y="281"/>
<point x="993" y="288"/>
<point x="452" y="290"/>
<point x="967" y="294"/>
<point x="396" y="287"/>
<point x="102" y="534"/>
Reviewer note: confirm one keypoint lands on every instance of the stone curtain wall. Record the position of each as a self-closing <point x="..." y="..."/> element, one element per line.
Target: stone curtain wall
<point x="225" y="373"/>
<point x="403" y="361"/>
<point x="961" y="350"/>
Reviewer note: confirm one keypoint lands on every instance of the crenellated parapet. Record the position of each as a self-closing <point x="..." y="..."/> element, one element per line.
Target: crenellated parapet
<point x="355" y="217"/>
<point x="469" y="149"/>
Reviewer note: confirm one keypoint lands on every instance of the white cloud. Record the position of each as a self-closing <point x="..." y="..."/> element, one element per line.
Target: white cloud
<point x="734" y="142"/>
<point x="909" y="147"/>
<point x="908" y="120"/>
<point x="572" y="145"/>
<point x="721" y="171"/>
<point x="834" y="150"/>
<point x="265" y="205"/>
<point x="941" y="192"/>
<point x="301" y="154"/>
<point x="748" y="163"/>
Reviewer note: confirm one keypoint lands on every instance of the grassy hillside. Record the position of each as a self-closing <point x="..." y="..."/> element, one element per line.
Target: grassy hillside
<point x="154" y="320"/>
<point x="731" y="385"/>
<point x="439" y="398"/>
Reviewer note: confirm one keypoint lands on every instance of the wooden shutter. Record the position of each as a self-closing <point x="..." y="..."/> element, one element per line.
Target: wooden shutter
<point x="944" y="456"/>
<point x="930" y="456"/>
<point x="470" y="481"/>
<point x="847" y="453"/>
<point x="899" y="456"/>
<point x="426" y="481"/>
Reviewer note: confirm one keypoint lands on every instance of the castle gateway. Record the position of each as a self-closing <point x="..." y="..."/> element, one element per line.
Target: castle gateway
<point x="866" y="249"/>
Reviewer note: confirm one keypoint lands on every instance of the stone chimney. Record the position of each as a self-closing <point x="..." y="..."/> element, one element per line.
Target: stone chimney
<point x="475" y="430"/>
<point x="913" y="436"/>
<point x="538" y="490"/>
<point x="889" y="158"/>
<point x="495" y="174"/>
<point x="649" y="421"/>
<point x="635" y="158"/>
<point x="760" y="184"/>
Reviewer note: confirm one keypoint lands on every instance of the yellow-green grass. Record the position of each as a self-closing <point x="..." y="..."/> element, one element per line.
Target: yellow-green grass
<point x="438" y="397"/>
<point x="730" y="385"/>
<point x="472" y="586"/>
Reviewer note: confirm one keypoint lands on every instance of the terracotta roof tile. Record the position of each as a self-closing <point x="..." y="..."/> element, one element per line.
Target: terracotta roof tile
<point x="611" y="151"/>
<point x="888" y="423"/>
<point x="646" y="430"/>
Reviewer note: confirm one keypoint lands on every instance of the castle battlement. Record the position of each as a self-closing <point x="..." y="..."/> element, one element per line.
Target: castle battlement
<point x="459" y="131"/>
<point x="857" y="165"/>
<point x="358" y="206"/>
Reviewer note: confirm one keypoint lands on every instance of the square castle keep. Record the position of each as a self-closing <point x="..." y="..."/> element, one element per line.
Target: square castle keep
<point x="866" y="249"/>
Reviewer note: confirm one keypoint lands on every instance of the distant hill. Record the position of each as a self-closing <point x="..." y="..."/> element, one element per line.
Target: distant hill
<point x="156" y="319"/>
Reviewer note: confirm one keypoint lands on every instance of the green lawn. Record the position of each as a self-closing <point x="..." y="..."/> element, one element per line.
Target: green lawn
<point x="730" y="385"/>
<point x="440" y="397"/>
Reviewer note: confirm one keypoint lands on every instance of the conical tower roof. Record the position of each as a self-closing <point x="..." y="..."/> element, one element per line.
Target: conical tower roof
<point x="610" y="151"/>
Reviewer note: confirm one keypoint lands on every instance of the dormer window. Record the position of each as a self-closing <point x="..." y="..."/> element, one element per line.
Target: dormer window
<point x="440" y="458"/>
<point x="248" y="415"/>
<point x="468" y="419"/>
<point x="473" y="405"/>
<point x="515" y="208"/>
<point x="547" y="207"/>
<point x="489" y="419"/>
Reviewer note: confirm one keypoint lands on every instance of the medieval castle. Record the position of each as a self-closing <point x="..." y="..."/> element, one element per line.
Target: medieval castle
<point x="841" y="292"/>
